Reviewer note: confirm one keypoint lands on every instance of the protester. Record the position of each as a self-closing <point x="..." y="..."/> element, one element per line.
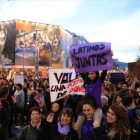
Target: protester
<point x="4" y="117"/>
<point x="3" y="133"/>
<point x="93" y="84"/>
<point x="20" y="98"/>
<point x="35" y="130"/>
<point x="63" y="129"/>
<point x="55" y="111"/>
<point x="47" y="98"/>
<point x="116" y="127"/>
<point x="87" y="107"/>
<point x="123" y="92"/>
<point x="33" y="101"/>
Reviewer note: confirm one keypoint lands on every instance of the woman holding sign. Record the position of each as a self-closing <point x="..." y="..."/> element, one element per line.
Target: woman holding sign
<point x="92" y="84"/>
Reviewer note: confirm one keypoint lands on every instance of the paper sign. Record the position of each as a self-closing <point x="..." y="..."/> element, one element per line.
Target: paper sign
<point x="63" y="83"/>
<point x="18" y="79"/>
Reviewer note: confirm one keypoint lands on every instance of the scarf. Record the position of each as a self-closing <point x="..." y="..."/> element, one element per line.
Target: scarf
<point x="63" y="129"/>
<point x="38" y="101"/>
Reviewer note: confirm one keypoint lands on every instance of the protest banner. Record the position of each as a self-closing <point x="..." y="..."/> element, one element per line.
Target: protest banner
<point x="63" y="82"/>
<point x="134" y="70"/>
<point x="18" y="79"/>
<point x="90" y="57"/>
<point x="117" y="77"/>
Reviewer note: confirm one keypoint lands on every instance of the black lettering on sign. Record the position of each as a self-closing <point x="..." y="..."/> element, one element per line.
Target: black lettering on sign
<point x="98" y="60"/>
<point x="96" y="47"/>
<point x="61" y="94"/>
<point x="102" y="46"/>
<point x="91" y="48"/>
<point x="56" y="88"/>
<point x="105" y="60"/>
<point x="58" y="79"/>
<point x="86" y="49"/>
<point x="91" y="60"/>
<point x="87" y="61"/>
<point x="63" y="78"/>
<point x="77" y="65"/>
<point x="74" y="52"/>
<point x="66" y="78"/>
<point x="80" y="50"/>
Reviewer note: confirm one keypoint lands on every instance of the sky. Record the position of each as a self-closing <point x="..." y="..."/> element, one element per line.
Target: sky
<point x="115" y="21"/>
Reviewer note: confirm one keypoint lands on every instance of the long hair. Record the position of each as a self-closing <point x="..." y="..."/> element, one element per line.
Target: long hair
<point x="86" y="100"/>
<point x="122" y="125"/>
<point x="87" y="80"/>
<point x="4" y="92"/>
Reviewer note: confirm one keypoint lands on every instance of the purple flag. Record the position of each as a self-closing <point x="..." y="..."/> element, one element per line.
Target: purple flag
<point x="90" y="57"/>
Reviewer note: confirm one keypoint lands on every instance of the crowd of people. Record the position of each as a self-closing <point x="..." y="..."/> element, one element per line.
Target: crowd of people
<point x="107" y="111"/>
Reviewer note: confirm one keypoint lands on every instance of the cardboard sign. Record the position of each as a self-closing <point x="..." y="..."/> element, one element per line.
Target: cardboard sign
<point x="63" y="83"/>
<point x="18" y="79"/>
<point x="90" y="57"/>
<point x="57" y="66"/>
<point x="134" y="70"/>
<point x="117" y="77"/>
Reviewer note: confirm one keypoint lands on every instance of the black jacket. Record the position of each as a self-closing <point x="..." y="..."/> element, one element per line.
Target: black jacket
<point x="55" y="135"/>
<point x="30" y="133"/>
<point x="47" y="100"/>
<point x="31" y="103"/>
<point x="4" y="117"/>
<point x="102" y="134"/>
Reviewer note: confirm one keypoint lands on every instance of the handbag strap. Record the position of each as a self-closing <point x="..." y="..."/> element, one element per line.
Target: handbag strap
<point x="65" y="137"/>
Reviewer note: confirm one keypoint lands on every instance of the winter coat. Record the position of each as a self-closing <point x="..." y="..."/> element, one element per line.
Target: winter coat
<point x="31" y="103"/>
<point x="55" y="135"/>
<point x="30" y="133"/>
<point x="102" y="133"/>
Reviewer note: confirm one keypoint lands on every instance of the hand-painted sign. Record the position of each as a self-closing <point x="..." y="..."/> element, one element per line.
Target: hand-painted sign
<point x="90" y="57"/>
<point x="63" y="82"/>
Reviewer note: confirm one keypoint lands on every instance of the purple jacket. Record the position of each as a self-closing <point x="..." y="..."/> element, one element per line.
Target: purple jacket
<point x="95" y="90"/>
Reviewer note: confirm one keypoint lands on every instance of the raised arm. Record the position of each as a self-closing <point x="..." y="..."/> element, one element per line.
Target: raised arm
<point x="103" y="75"/>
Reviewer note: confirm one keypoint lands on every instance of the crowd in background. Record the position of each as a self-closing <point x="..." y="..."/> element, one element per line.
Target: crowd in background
<point x="29" y="105"/>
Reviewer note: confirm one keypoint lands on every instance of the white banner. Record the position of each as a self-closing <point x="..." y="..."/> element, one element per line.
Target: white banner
<point x="63" y="82"/>
<point x="18" y="79"/>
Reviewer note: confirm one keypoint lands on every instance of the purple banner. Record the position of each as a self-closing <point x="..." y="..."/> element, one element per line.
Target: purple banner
<point x="90" y="57"/>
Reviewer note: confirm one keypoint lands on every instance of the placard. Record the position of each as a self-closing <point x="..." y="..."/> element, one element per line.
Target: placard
<point x="90" y="57"/>
<point x="63" y="82"/>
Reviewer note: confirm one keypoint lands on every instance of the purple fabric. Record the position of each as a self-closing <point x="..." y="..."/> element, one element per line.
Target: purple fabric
<point x="65" y="103"/>
<point x="38" y="101"/>
<point x="87" y="130"/>
<point x="94" y="89"/>
<point x="63" y="129"/>
<point x="89" y="57"/>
